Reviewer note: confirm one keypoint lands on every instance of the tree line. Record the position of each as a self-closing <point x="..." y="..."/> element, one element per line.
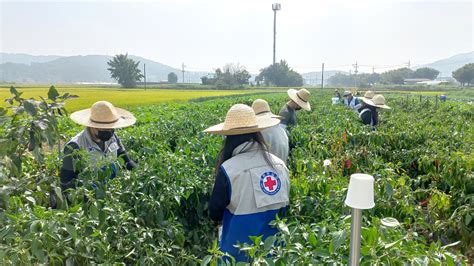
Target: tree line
<point x="464" y="75"/>
<point x="127" y="73"/>
<point x="396" y="76"/>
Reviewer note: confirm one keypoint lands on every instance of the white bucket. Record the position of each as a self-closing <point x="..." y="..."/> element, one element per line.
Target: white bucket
<point x="335" y="100"/>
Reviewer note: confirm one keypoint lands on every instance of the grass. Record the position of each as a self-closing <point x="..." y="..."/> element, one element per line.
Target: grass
<point x="120" y="97"/>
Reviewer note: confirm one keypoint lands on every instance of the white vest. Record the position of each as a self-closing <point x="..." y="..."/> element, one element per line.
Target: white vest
<point x="258" y="193"/>
<point x="248" y="171"/>
<point x="96" y="155"/>
<point x="277" y="140"/>
<point x="352" y="103"/>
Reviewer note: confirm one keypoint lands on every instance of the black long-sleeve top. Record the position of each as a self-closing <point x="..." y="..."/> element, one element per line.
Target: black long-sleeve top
<point x="220" y="196"/>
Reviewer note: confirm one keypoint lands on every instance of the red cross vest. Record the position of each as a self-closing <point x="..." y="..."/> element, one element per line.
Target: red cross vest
<point x="258" y="193"/>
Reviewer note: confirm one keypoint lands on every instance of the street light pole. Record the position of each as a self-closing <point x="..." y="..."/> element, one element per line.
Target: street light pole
<point x="275" y="8"/>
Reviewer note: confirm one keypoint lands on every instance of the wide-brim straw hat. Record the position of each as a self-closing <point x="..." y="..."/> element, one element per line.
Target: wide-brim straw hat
<point x="368" y="95"/>
<point x="241" y="119"/>
<point x="377" y="101"/>
<point x="300" y="97"/>
<point x="346" y="93"/>
<point x="104" y="115"/>
<point x="261" y="108"/>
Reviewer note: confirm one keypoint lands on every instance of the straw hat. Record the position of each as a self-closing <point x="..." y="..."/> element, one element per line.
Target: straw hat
<point x="368" y="95"/>
<point x="377" y="101"/>
<point x="103" y="115"/>
<point x="300" y="97"/>
<point x="261" y="108"/>
<point x="241" y="119"/>
<point x="346" y="93"/>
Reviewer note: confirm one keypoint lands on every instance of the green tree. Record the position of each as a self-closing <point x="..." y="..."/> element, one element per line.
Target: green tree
<point x="465" y="74"/>
<point x="125" y="70"/>
<point x="341" y="79"/>
<point x="231" y="75"/>
<point x="281" y="75"/>
<point x="363" y="80"/>
<point x="172" y="77"/>
<point x="396" y="76"/>
<point x="425" y="73"/>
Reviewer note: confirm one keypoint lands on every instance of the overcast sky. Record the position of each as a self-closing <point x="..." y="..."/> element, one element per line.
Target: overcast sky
<point x="209" y="33"/>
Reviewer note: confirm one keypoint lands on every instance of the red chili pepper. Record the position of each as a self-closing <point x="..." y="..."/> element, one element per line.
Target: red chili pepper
<point x="348" y="164"/>
<point x="425" y="202"/>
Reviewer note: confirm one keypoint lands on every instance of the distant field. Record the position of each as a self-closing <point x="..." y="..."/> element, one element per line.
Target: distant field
<point x="466" y="94"/>
<point x="120" y="97"/>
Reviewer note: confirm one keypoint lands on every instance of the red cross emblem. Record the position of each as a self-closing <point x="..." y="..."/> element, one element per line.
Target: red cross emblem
<point x="270" y="183"/>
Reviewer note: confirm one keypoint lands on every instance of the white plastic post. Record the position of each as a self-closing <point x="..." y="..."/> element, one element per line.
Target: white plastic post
<point x="360" y="196"/>
<point x="354" y="256"/>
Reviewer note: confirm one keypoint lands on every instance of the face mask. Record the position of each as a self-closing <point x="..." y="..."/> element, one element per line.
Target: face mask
<point x="105" y="135"/>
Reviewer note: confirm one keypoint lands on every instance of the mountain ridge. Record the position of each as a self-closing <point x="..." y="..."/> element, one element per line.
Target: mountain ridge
<point x="25" y="68"/>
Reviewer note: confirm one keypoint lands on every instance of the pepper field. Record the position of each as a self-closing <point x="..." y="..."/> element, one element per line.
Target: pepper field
<point x="421" y="157"/>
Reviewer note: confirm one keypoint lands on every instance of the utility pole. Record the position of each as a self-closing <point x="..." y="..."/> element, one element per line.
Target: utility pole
<point x="408" y="64"/>
<point x="322" y="77"/>
<point x="182" y="70"/>
<point x="356" y="68"/>
<point x="144" y="74"/>
<point x="373" y="70"/>
<point x="275" y="8"/>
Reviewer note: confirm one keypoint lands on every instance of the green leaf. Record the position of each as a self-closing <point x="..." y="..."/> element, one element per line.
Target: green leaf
<point x="206" y="260"/>
<point x="256" y="239"/>
<point x="312" y="239"/>
<point x="451" y="245"/>
<point x="2" y="254"/>
<point x="57" y="190"/>
<point x="449" y="261"/>
<point x="31" y="199"/>
<point x="387" y="246"/>
<point x="14" y="91"/>
<point x="322" y="253"/>
<point x="71" y="229"/>
<point x="94" y="212"/>
<point x="130" y="253"/>
<point x="269" y="241"/>
<point x="388" y="189"/>
<point x="30" y="107"/>
<point x="75" y="208"/>
<point x="468" y="219"/>
<point x="53" y="93"/>
<point x="37" y="251"/>
<point x="284" y="228"/>
<point x="390" y="222"/>
<point x="338" y="238"/>
<point x="269" y="261"/>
